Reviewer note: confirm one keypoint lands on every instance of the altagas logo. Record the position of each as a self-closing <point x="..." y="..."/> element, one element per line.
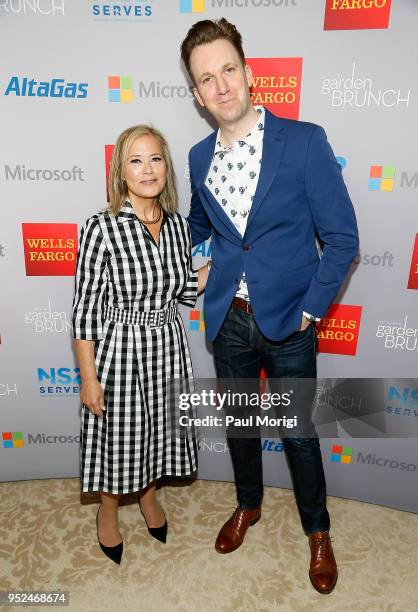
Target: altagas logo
<point x="50" y="248"/>
<point x="338" y="331"/>
<point x="357" y="14"/>
<point x="276" y="84"/>
<point x="413" y="274"/>
<point x="55" y="88"/>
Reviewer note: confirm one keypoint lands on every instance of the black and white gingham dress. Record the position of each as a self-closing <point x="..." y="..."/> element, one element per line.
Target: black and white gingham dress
<point x="125" y="300"/>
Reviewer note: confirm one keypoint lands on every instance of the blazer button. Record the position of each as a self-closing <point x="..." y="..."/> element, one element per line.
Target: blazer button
<point x="246" y="247"/>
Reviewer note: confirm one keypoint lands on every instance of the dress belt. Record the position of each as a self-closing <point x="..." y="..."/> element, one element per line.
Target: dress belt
<point x="149" y="318"/>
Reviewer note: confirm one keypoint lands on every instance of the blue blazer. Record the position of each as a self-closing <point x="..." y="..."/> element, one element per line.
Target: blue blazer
<point x="300" y="195"/>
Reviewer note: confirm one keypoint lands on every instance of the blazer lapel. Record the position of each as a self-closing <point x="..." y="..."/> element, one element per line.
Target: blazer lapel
<point x="206" y="155"/>
<point x="273" y="145"/>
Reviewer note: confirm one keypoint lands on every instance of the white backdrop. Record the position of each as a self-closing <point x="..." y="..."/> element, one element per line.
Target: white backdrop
<point x="357" y="79"/>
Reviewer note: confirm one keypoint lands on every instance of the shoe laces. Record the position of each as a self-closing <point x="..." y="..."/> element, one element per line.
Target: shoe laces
<point x="322" y="542"/>
<point x="237" y="517"/>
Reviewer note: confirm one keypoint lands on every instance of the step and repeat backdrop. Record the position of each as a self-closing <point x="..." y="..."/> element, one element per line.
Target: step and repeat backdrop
<point x="74" y="74"/>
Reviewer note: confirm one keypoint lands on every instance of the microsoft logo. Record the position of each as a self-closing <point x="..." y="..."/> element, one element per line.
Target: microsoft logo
<point x="192" y="6"/>
<point x="196" y="320"/>
<point x="341" y="454"/>
<point x="381" y="178"/>
<point x="120" y="89"/>
<point x="13" y="439"/>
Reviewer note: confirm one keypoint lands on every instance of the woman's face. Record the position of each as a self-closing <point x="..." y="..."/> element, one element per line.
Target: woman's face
<point x="145" y="170"/>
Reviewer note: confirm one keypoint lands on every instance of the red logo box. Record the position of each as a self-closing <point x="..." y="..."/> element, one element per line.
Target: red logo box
<point x="108" y="159"/>
<point x="338" y="331"/>
<point x="357" y="14"/>
<point x="50" y="248"/>
<point x="277" y="83"/>
<point x="413" y="274"/>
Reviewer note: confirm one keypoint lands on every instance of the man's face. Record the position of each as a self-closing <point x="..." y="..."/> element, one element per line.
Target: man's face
<point x="222" y="82"/>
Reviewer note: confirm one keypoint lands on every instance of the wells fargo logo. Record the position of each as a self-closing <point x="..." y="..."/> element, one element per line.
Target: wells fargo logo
<point x="50" y="248"/>
<point x="338" y="331"/>
<point x="276" y="84"/>
<point x="357" y="14"/>
<point x="413" y="274"/>
<point x="108" y="159"/>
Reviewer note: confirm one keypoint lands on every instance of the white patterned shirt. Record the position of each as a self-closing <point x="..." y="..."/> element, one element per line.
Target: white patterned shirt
<point x="233" y="178"/>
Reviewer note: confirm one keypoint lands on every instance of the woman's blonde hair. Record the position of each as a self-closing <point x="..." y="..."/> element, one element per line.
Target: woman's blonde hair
<point x="118" y="190"/>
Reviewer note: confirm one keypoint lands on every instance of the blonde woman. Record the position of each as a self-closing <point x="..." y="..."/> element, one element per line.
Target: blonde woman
<point x="133" y="267"/>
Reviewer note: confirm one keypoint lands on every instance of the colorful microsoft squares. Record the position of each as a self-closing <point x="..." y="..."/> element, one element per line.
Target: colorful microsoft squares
<point x="13" y="439"/>
<point x="196" y="320"/>
<point x="120" y="89"/>
<point x="381" y="178"/>
<point x="341" y="454"/>
<point x="192" y="6"/>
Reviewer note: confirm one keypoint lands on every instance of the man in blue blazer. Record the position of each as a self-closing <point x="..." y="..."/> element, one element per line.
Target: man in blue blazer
<point x="263" y="189"/>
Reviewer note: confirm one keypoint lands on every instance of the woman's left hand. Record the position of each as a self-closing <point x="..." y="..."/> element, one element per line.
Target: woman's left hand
<point x="202" y="277"/>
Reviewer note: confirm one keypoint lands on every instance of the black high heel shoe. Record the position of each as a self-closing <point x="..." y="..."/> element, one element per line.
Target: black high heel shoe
<point x="113" y="552"/>
<point x="159" y="533"/>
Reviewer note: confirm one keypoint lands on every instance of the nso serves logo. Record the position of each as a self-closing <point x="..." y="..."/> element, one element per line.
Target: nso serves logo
<point x="55" y="88"/>
<point x="402" y="401"/>
<point x="59" y="381"/>
<point x="128" y="10"/>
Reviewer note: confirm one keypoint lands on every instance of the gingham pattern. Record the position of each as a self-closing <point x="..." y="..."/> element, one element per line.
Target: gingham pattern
<point x="121" y="274"/>
<point x="233" y="178"/>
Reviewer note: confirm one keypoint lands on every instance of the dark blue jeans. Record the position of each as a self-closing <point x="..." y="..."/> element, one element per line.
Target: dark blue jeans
<point x="240" y="350"/>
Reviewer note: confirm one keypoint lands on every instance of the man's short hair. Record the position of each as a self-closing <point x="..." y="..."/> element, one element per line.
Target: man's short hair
<point x="207" y="31"/>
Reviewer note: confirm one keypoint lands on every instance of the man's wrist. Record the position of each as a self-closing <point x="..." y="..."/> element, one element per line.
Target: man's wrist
<point x="310" y="317"/>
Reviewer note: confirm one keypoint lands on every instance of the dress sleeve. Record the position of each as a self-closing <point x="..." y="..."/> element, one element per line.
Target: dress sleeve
<point x="90" y="282"/>
<point x="189" y="294"/>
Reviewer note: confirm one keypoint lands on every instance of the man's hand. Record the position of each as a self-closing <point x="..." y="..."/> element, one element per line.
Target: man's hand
<point x="92" y="396"/>
<point x="304" y="323"/>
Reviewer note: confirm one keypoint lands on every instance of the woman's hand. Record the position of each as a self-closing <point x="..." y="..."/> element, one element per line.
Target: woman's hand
<point x="202" y="277"/>
<point x="92" y="396"/>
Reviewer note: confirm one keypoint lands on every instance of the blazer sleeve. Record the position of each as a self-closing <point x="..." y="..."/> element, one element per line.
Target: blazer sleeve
<point x="188" y="295"/>
<point x="90" y="282"/>
<point x="199" y="223"/>
<point x="335" y="222"/>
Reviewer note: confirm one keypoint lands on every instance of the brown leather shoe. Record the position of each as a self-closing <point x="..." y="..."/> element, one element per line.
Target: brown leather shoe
<point x="323" y="570"/>
<point x="232" y="534"/>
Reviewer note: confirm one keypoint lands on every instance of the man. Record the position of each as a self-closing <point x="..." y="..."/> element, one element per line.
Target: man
<point x="263" y="188"/>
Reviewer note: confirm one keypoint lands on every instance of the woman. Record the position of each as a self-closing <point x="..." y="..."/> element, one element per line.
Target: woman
<point x="133" y="267"/>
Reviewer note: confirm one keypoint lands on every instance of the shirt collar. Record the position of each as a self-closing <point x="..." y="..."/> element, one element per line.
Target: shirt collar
<point x="127" y="213"/>
<point x="253" y="139"/>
